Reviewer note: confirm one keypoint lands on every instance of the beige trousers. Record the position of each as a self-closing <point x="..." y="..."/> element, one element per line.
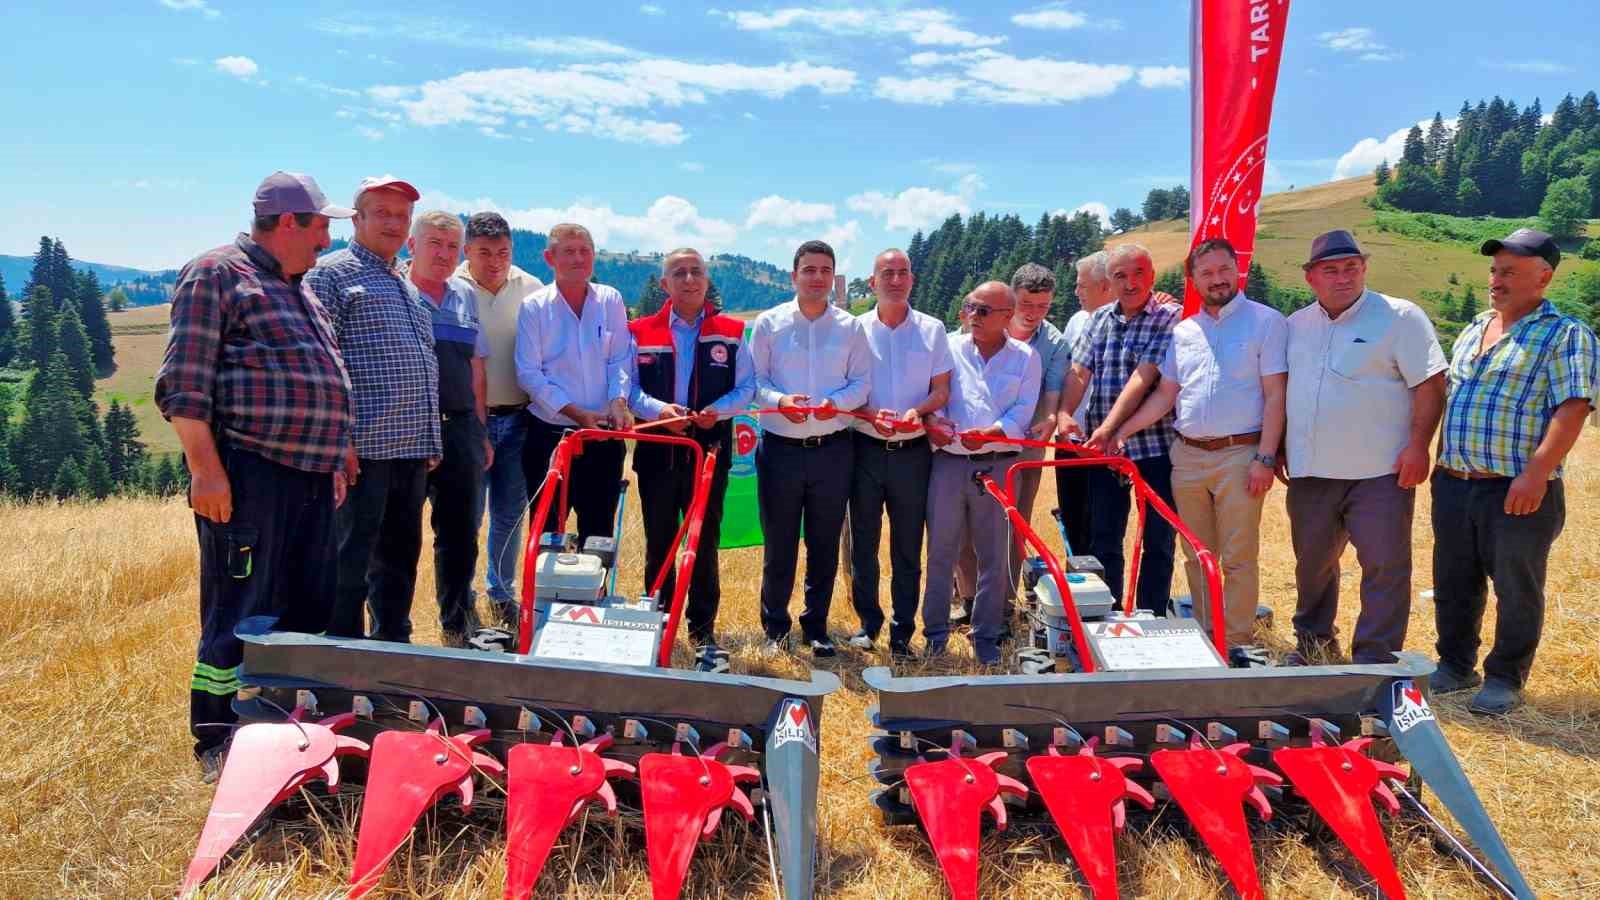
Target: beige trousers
<point x="1212" y="491"/>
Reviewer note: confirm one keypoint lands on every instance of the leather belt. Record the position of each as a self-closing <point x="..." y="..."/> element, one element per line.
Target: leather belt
<point x="987" y="457"/>
<point x="891" y="446"/>
<point x="813" y="441"/>
<point x="1232" y="440"/>
<point x="1469" y="476"/>
<point x="507" y="410"/>
<point x="453" y="416"/>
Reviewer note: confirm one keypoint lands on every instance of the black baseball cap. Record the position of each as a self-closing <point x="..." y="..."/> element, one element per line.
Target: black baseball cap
<point x="1526" y="242"/>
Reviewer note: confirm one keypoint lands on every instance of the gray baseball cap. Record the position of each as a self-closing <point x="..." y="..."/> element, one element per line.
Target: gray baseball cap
<point x="291" y="192"/>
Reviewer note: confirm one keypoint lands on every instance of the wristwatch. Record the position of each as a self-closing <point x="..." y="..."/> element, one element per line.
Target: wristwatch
<point x="1266" y="459"/>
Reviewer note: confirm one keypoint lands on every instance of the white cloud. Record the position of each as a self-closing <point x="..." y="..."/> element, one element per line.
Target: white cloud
<point x="1534" y="67"/>
<point x="1040" y="80"/>
<point x="922" y="91"/>
<point x="1360" y="40"/>
<point x="602" y="99"/>
<point x="457" y="33"/>
<point x="1368" y="152"/>
<point x="918" y="207"/>
<point x="198" y="6"/>
<point x="1055" y="17"/>
<point x="669" y="222"/>
<point x="1098" y="210"/>
<point x="238" y="66"/>
<point x="924" y="27"/>
<point x="650" y="9"/>
<point x="370" y="133"/>
<point x="775" y="210"/>
<point x="1164" y="77"/>
<point x="694" y="167"/>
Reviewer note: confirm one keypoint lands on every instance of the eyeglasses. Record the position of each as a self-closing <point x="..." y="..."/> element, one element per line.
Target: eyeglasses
<point x="981" y="310"/>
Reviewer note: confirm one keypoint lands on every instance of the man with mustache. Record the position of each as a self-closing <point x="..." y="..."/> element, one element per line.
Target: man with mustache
<point x="1225" y="373"/>
<point x="385" y="332"/>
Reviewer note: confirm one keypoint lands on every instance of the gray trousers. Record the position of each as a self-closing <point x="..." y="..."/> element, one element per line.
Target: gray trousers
<point x="1325" y="516"/>
<point x="957" y="503"/>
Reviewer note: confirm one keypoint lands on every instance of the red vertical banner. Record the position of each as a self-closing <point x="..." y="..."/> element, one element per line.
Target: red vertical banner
<point x="1233" y="64"/>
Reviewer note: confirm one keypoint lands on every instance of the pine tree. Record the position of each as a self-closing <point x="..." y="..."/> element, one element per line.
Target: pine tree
<point x="1416" y="151"/>
<point x="168" y="478"/>
<point x="1124" y="219"/>
<point x="52" y="431"/>
<point x="1156" y="204"/>
<point x="1258" y="284"/>
<point x="39" y="311"/>
<point x="1531" y="121"/>
<point x="8" y="325"/>
<point x="1448" y="310"/>
<point x="1178" y="202"/>
<point x="1589" y="111"/>
<point x="96" y="475"/>
<point x="653" y="298"/>
<point x="1469" y="200"/>
<point x="69" y="481"/>
<point x="1437" y="141"/>
<point x="1469" y="304"/>
<point x="74" y="344"/>
<point x="125" y="453"/>
<point x="8" y="472"/>
<point x="1380" y="175"/>
<point x="92" y="311"/>
<point x="1565" y="118"/>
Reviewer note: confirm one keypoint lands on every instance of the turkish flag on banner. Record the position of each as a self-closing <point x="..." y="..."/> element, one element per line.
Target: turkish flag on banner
<point x="1237" y="45"/>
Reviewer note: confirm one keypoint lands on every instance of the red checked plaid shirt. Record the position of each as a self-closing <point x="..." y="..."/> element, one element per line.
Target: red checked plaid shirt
<point x="254" y="354"/>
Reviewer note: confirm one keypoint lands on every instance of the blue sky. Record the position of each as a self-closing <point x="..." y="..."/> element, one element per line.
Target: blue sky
<point x="138" y="129"/>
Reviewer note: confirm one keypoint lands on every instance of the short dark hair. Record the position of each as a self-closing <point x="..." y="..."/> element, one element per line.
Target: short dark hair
<point x="1208" y="246"/>
<point x="265" y="224"/>
<point x="1033" y="278"/>
<point x="814" y="247"/>
<point x="487" y="225"/>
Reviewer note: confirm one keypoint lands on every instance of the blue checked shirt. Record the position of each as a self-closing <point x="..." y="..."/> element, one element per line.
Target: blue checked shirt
<point x="1501" y="401"/>
<point x="385" y="333"/>
<point x="1111" y="348"/>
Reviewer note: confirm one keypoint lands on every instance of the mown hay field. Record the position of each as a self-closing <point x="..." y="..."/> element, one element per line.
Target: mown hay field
<point x="103" y="798"/>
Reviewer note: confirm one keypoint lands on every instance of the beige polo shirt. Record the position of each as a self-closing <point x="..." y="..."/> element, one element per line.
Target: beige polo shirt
<point x="498" y="313"/>
<point x="1350" y="382"/>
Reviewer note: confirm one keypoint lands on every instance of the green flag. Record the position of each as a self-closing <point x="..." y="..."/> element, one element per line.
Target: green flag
<point x="741" y="516"/>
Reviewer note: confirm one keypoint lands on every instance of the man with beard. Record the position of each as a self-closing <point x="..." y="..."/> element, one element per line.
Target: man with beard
<point x="1225" y="373"/>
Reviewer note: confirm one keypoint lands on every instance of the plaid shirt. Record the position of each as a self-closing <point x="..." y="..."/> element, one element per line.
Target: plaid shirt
<point x="385" y="331"/>
<point x="1501" y="401"/>
<point x="1111" y="348"/>
<point x="254" y="355"/>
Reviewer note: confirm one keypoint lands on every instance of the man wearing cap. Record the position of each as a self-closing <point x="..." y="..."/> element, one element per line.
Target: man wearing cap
<point x="385" y="332"/>
<point x="455" y="486"/>
<point x="254" y="386"/>
<point x="1366" y="386"/>
<point x="1116" y="363"/>
<point x="689" y="361"/>
<point x="910" y="379"/>
<point x="807" y="353"/>
<point x="501" y="287"/>
<point x="1523" y="377"/>
<point x="1225" y="375"/>
<point x="994" y="387"/>
<point x="573" y="354"/>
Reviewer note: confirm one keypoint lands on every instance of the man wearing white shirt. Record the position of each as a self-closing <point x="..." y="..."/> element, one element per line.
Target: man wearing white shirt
<point x="994" y="387"/>
<point x="1072" y="484"/>
<point x="1366" y="389"/>
<point x="805" y="353"/>
<point x="1225" y="373"/>
<point x="573" y="354"/>
<point x="910" y="379"/>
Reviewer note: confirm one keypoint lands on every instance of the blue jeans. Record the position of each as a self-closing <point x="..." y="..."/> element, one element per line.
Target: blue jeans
<point x="507" y="503"/>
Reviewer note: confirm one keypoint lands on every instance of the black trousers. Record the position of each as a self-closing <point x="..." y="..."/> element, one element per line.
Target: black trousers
<point x="1112" y="502"/>
<point x="897" y="481"/>
<point x="274" y="557"/>
<point x="801" y="488"/>
<point x="596" y="479"/>
<point x="380" y="539"/>
<point x="1475" y="542"/>
<point x="455" y="488"/>
<point x="664" y="496"/>
<point x="1072" y="498"/>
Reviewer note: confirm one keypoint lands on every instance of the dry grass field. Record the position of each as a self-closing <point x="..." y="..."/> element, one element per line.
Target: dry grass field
<point x="104" y="800"/>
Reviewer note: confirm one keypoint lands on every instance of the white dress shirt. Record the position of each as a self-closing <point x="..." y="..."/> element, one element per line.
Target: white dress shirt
<point x="1001" y="390"/>
<point x="1218" y="364"/>
<point x="825" y="359"/>
<point x="563" y="358"/>
<point x="1350" y="381"/>
<point x="904" y="360"/>
<point x="1076" y="326"/>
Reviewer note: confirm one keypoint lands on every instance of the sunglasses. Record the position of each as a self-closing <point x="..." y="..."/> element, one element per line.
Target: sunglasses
<point x="981" y="310"/>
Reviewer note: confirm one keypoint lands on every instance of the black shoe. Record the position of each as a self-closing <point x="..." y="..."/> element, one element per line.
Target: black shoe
<point x="1449" y="680"/>
<point x="1247" y="657"/>
<point x="821" y="648"/>
<point x="900" y="651"/>
<point x="1496" y="699"/>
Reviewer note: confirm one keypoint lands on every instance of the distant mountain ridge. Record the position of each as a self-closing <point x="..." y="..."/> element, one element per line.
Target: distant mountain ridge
<point x="144" y="287"/>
